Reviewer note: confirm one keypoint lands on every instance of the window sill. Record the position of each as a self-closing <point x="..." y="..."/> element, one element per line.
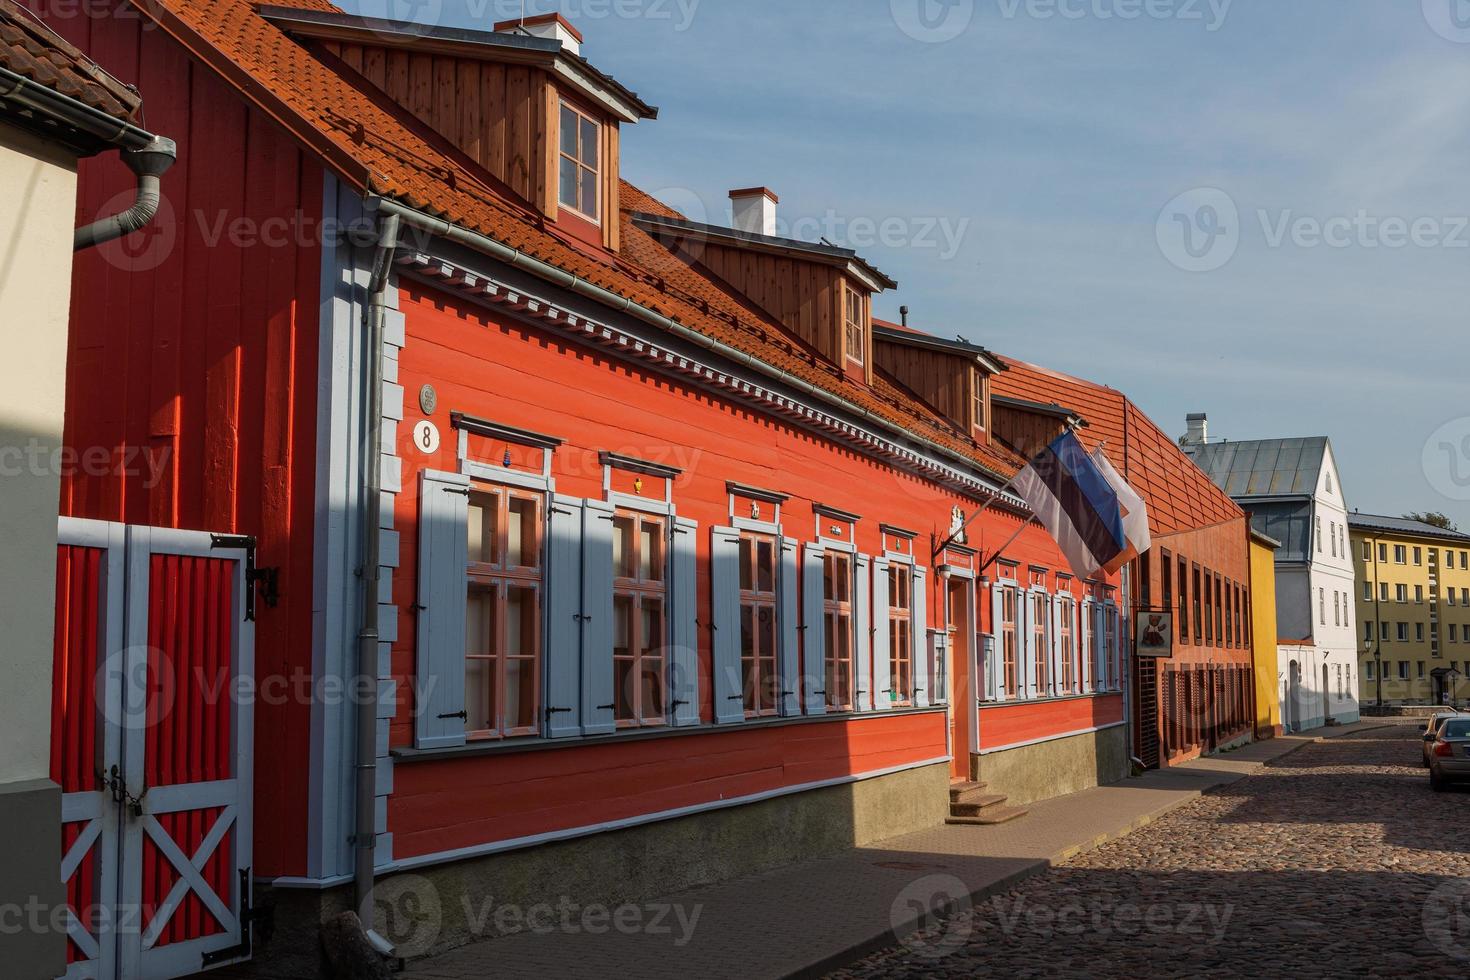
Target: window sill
<point x="1048" y="700"/>
<point x="407" y="754"/>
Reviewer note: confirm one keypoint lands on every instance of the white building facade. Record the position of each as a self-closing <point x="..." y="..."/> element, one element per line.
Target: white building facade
<point x="1293" y="492"/>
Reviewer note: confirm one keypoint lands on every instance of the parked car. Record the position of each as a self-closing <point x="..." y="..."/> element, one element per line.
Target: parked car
<point x="1449" y="756"/>
<point x="1431" y="729"/>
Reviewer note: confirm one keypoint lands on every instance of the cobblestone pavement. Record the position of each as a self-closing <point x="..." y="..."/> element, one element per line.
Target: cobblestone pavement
<point x="1334" y="861"/>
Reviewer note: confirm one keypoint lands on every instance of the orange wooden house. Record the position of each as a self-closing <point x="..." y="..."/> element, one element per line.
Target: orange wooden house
<point x="572" y="535"/>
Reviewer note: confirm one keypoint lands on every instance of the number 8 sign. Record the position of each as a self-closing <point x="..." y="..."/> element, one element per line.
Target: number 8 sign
<point x="426" y="437"/>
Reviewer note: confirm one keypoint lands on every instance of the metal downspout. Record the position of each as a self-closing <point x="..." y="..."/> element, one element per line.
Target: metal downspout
<point x="149" y="164"/>
<point x="365" y="834"/>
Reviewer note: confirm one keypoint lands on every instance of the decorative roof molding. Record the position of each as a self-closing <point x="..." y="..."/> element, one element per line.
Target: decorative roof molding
<point x="756" y="493"/>
<point x="634" y="465"/>
<point x="506" y="433"/>
<point x="488" y="291"/>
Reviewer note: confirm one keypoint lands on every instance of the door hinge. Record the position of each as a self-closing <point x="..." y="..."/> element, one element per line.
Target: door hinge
<point x="463" y="716"/>
<point x="268" y="580"/>
<point x="252" y="917"/>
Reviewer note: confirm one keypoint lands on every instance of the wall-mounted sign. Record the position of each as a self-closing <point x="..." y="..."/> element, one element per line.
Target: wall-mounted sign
<point x="428" y="399"/>
<point x="426" y="437"/>
<point x="1154" y="637"/>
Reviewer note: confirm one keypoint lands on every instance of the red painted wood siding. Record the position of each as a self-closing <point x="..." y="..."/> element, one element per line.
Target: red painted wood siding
<point x="440" y="806"/>
<point x="488" y="365"/>
<point x="192" y="364"/>
<point x="1013" y="724"/>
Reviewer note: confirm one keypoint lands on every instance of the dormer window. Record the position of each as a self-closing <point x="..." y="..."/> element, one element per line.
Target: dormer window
<point x="580" y="164"/>
<point x="981" y="403"/>
<point x="855" y="327"/>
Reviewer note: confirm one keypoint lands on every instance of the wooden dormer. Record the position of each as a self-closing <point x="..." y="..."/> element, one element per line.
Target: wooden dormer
<point x="950" y="376"/>
<point x="521" y="102"/>
<point x="1028" y="427"/>
<point x="821" y="293"/>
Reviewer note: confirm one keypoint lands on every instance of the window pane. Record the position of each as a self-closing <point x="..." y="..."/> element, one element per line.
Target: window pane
<point x="651" y="556"/>
<point x="482" y="526"/>
<point x="747" y="656"/>
<point x="588" y="143"/>
<point x="623" y="546"/>
<point x="747" y="583"/>
<point x="570" y="122"/>
<point x="520" y="693"/>
<point x="520" y="621"/>
<point x="522" y="551"/>
<point x="567" y="183"/>
<point x="765" y="567"/>
<point x="623" y="662"/>
<point x="588" y="203"/>
<point x="651" y="692"/>
<point x="479" y="695"/>
<point x="767" y="631"/>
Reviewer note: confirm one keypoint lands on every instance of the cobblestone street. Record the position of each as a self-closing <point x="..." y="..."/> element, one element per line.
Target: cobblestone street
<point x="1336" y="860"/>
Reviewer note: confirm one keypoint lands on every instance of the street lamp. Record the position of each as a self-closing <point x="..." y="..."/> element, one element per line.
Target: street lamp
<point x="1453" y="678"/>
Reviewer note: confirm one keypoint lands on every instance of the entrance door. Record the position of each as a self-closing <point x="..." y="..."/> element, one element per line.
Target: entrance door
<point x="151" y="733"/>
<point x="964" y="678"/>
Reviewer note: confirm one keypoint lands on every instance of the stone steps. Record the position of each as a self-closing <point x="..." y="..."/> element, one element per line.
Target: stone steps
<point x="969" y="803"/>
<point x="991" y="816"/>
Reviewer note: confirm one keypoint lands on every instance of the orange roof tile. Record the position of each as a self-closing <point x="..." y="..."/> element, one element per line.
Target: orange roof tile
<point x="1179" y="495"/>
<point x="379" y="149"/>
<point x="31" y="50"/>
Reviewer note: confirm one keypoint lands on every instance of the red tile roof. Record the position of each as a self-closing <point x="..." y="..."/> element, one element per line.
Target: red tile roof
<point x="1179" y="495"/>
<point x="377" y="148"/>
<point x="29" y="49"/>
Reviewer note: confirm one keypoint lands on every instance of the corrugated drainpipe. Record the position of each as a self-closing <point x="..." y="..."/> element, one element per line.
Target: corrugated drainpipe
<point x="365" y="834"/>
<point x="147" y="155"/>
<point x="621" y="304"/>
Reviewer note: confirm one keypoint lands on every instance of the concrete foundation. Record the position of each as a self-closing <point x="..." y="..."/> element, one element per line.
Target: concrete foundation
<point x="1057" y="767"/>
<point x="30" y="882"/>
<point x="431" y="910"/>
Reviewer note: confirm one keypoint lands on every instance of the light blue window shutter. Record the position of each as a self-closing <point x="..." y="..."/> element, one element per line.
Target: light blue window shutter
<point x="1084" y="648"/>
<point x="788" y="621"/>
<point x="1115" y="655"/>
<point x="598" y="701"/>
<point x="684" y="627"/>
<point x="564" y="619"/>
<point x="1054" y="634"/>
<point x="443" y="584"/>
<point x="725" y="606"/>
<point x="920" y="638"/>
<point x="1100" y="643"/>
<point x="862" y="633"/>
<point x="995" y="662"/>
<point x="1024" y="622"/>
<point x="813" y="629"/>
<point x="882" y="664"/>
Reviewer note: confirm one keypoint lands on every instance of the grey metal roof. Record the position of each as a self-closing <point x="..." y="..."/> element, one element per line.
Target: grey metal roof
<point x="1264" y="467"/>
<point x="1402" y="525"/>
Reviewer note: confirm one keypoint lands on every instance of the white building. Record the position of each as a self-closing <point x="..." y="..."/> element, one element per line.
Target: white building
<point x="1292" y="490"/>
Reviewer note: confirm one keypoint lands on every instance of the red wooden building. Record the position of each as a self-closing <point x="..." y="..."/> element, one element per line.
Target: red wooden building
<point x="631" y="523"/>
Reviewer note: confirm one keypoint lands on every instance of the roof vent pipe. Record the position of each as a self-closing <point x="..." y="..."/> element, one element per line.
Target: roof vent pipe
<point x="903" y="313"/>
<point x="150" y="164"/>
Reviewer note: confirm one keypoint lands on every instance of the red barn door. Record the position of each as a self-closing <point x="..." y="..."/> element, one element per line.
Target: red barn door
<point x="151" y="743"/>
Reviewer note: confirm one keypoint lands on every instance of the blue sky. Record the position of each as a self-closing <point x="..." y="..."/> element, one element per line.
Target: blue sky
<point x="1036" y="173"/>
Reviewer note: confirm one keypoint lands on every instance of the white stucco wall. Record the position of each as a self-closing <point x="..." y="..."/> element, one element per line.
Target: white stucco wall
<point x="37" y="214"/>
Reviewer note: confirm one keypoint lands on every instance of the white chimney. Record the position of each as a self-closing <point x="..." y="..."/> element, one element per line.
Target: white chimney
<point x="1199" y="429"/>
<point x="753" y="210"/>
<point x="551" y="27"/>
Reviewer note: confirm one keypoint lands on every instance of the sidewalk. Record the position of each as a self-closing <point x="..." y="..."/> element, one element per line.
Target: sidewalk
<point x="810" y="918"/>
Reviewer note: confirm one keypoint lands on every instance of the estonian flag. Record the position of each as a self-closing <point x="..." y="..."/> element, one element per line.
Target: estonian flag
<point x="1077" y="504"/>
<point x="1135" y="512"/>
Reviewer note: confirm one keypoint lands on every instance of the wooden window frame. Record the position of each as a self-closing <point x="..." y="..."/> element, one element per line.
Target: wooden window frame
<point x="1066" y="616"/>
<point x="1197" y="607"/>
<point x="639" y="590"/>
<point x="755" y="599"/>
<point x="579" y="161"/>
<point x="1009" y="639"/>
<point x="901" y="636"/>
<point x="855" y="330"/>
<point x="1183" y="600"/>
<point x="1040" y="638"/>
<point x="837" y="620"/>
<point x="498" y="577"/>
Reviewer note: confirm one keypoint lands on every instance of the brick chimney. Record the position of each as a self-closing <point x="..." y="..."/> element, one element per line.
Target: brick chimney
<point x="552" y="27"/>
<point x="753" y="210"/>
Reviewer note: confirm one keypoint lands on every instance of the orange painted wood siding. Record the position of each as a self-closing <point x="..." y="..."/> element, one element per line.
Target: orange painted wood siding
<point x="1015" y="724"/>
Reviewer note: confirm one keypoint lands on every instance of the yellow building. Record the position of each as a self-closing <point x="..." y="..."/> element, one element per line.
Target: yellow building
<point x="1413" y="605"/>
<point x="1263" y="634"/>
